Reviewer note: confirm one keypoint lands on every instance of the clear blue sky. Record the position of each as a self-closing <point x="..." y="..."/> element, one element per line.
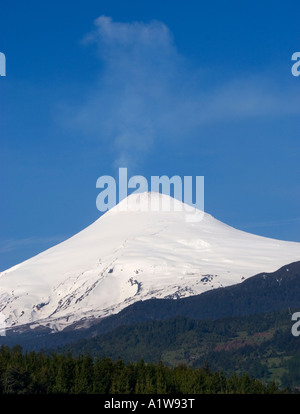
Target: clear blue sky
<point x="161" y="87"/>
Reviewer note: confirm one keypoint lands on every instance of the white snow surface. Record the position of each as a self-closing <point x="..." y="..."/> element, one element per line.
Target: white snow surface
<point x="127" y="256"/>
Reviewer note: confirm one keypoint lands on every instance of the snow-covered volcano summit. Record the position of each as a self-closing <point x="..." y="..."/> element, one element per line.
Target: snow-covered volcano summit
<point x="128" y="255"/>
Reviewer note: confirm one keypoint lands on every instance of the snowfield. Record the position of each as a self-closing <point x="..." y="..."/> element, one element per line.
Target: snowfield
<point x="126" y="256"/>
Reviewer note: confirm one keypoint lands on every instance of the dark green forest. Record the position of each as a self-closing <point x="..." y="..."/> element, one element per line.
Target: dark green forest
<point x="236" y="355"/>
<point x="261" y="345"/>
<point x="39" y="373"/>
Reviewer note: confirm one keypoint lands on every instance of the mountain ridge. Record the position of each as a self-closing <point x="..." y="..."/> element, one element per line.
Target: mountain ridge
<point x="266" y="292"/>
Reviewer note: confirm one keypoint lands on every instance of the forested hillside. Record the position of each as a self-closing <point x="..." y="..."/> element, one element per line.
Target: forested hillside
<point x="261" y="345"/>
<point x="37" y="373"/>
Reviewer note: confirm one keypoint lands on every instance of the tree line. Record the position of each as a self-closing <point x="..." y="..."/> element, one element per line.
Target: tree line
<point x="42" y="373"/>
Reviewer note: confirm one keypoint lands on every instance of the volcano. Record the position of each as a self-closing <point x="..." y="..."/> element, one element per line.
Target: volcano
<point x="132" y="253"/>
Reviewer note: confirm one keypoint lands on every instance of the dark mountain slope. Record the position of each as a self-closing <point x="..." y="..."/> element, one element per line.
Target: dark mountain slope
<point x="261" y="345"/>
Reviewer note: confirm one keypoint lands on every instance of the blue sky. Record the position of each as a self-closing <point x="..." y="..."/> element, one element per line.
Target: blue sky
<point x="160" y="87"/>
